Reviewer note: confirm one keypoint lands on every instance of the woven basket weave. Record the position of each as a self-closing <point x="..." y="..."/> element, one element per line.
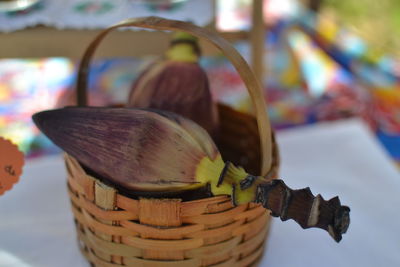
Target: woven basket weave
<point x="116" y="229"/>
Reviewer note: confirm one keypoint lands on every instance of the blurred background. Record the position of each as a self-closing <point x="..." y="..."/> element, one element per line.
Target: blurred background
<point x="321" y="60"/>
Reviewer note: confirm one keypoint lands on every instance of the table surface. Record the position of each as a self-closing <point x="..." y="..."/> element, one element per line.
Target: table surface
<point x="341" y="158"/>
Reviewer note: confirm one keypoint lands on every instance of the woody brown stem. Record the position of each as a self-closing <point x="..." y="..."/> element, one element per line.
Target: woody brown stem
<point x="304" y="208"/>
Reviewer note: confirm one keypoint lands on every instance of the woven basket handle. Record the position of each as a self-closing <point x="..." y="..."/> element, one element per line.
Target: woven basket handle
<point x="249" y="79"/>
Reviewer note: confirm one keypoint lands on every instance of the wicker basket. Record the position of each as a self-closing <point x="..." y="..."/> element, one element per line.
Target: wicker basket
<point x="119" y="229"/>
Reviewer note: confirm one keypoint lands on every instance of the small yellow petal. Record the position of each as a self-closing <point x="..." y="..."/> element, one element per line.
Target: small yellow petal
<point x="182" y="53"/>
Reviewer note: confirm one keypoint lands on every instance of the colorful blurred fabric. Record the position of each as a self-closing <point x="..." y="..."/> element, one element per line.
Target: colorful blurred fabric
<point x="316" y="71"/>
<point x="28" y="86"/>
<point x="371" y="82"/>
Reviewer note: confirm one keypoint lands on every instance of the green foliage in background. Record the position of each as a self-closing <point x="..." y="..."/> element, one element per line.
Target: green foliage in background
<point x="376" y="21"/>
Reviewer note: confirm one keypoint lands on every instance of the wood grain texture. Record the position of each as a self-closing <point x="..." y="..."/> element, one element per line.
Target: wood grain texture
<point x="257" y="39"/>
<point x="105" y="198"/>
<point x="304" y="208"/>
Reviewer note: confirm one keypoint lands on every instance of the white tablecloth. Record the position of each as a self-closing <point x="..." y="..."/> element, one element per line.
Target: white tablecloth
<point x="342" y="158"/>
